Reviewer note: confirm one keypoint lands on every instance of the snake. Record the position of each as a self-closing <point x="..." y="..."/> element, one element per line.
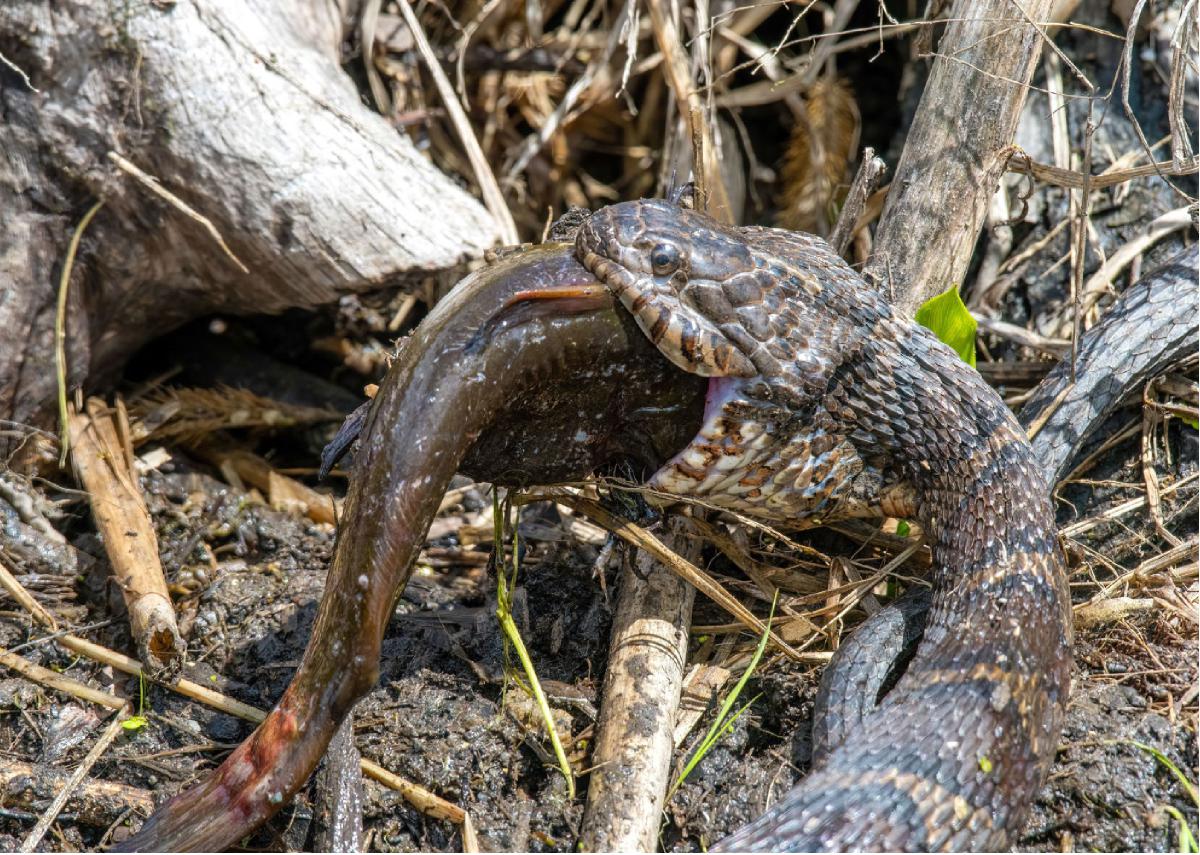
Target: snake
<point x="1151" y="326"/>
<point x="824" y="403"/>
<point x="754" y="369"/>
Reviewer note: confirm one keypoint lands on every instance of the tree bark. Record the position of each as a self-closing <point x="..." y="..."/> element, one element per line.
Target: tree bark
<point x="956" y="150"/>
<point x="241" y="111"/>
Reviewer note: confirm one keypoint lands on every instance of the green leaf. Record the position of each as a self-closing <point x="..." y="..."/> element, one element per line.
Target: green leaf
<point x="134" y="722"/>
<point x="902" y="528"/>
<point x="948" y="319"/>
<point x="985" y="765"/>
<point x="1195" y="423"/>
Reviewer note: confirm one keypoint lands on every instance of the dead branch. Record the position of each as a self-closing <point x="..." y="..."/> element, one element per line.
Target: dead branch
<point x="103" y="460"/>
<point x="271" y="151"/>
<point x="95" y="802"/>
<point x="956" y="150"/>
<point x="635" y="738"/>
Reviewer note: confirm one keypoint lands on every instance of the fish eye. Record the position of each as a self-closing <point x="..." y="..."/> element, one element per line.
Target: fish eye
<point x="664" y="259"/>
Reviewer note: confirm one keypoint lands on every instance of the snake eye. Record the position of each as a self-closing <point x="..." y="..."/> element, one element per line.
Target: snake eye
<point x="664" y="259"/>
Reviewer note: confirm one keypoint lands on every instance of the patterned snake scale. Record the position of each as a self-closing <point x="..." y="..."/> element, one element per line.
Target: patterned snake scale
<point x="822" y="403"/>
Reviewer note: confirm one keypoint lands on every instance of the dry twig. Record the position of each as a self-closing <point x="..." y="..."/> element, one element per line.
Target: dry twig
<point x="492" y="197"/>
<point x="418" y="796"/>
<point x="706" y="159"/>
<point x="31" y="841"/>
<point x="104" y="463"/>
<point x="639" y="537"/>
<point x="154" y="186"/>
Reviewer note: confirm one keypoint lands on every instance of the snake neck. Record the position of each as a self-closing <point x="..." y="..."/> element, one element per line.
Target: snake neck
<point x="982" y="499"/>
<point x="830" y="402"/>
<point x="956" y="752"/>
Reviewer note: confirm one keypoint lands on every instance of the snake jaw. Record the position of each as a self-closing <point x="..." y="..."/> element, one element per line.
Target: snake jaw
<point x="612" y="248"/>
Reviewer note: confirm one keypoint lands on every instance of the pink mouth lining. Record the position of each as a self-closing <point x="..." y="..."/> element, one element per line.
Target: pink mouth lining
<point x="721" y="390"/>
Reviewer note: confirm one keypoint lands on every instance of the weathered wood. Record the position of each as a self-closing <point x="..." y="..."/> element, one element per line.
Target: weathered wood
<point x="104" y="466"/>
<point x="635" y="738"/>
<point x="241" y="111"/>
<point x="956" y="149"/>
<point x="866" y="182"/>
<point x="98" y="802"/>
<point x="340" y="793"/>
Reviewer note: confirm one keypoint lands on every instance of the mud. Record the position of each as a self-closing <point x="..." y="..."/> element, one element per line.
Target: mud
<point x="438" y="717"/>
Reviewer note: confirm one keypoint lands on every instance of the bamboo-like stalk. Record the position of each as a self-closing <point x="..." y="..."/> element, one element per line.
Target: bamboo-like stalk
<point x="105" y="468"/>
<point x="642" y="684"/>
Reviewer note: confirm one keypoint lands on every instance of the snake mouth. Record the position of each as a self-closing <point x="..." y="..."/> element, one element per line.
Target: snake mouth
<point x="615" y="277"/>
<point x="715" y="452"/>
<point x="687" y="466"/>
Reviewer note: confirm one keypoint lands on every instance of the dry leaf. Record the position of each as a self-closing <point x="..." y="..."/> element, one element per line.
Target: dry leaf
<point x="815" y="168"/>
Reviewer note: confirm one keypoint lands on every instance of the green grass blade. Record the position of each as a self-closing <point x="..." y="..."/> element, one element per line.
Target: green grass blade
<point x="1188" y="786"/>
<point x="723" y="721"/>
<point x="1187" y="840"/>
<point x="508" y="626"/>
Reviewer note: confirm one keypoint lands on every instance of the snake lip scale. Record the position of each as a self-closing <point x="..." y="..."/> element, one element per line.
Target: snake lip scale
<point x="822" y="401"/>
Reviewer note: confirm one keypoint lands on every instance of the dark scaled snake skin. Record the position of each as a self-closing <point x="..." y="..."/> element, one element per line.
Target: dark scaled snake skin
<point x="1151" y="326"/>
<point x="822" y="403"/>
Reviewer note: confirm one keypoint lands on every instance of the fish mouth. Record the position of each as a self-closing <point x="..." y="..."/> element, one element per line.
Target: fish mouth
<point x="628" y="410"/>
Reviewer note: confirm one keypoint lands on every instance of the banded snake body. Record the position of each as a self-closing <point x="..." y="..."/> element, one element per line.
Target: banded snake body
<point x="824" y="403"/>
<point x="814" y="400"/>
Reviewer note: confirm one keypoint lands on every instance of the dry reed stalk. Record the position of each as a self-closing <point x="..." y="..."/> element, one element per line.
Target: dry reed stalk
<point x="283" y="492"/>
<point x="642" y="683"/>
<point x="104" y="466"/>
<point x="706" y="160"/>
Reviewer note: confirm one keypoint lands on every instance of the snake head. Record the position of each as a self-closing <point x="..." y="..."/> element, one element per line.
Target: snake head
<point x="672" y="268"/>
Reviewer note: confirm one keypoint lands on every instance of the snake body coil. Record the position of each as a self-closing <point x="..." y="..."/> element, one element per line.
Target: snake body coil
<point x="824" y="403"/>
<point x="1152" y="325"/>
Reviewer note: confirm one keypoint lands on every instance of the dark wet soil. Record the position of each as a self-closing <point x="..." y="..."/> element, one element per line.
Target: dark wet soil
<point x="437" y="715"/>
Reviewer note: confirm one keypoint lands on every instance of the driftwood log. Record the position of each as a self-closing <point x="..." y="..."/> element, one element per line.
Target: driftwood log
<point x="287" y="190"/>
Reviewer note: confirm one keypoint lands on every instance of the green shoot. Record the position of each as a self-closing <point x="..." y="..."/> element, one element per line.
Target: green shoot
<point x="902" y="528"/>
<point x="725" y="721"/>
<point x="1188" y="786"/>
<point x="137" y="722"/>
<point x="60" y="331"/>
<point x="948" y="319"/>
<point x="504" y="588"/>
<point x="1187" y="840"/>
